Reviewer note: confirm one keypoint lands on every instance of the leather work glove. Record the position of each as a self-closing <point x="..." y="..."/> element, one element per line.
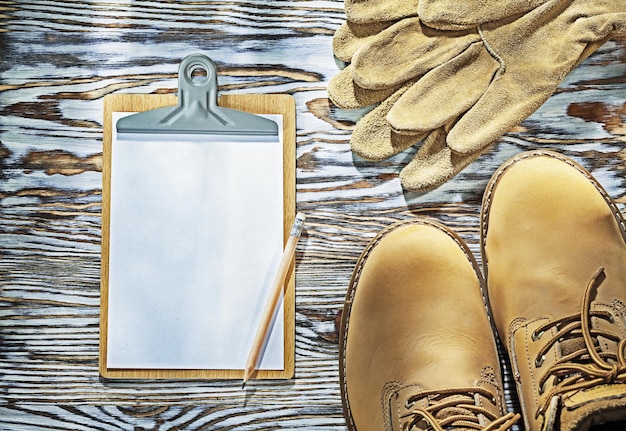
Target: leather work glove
<point x="441" y="14"/>
<point x="361" y="84"/>
<point x="506" y="67"/>
<point x="458" y="14"/>
<point x="530" y="56"/>
<point x="373" y="138"/>
<point x="366" y="18"/>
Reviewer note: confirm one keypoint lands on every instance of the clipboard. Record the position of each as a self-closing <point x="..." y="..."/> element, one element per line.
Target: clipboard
<point x="195" y="111"/>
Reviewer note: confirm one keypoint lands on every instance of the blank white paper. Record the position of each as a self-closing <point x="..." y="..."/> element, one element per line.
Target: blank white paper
<point x="196" y="235"/>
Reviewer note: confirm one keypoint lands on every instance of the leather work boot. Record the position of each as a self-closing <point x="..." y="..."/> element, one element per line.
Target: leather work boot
<point x="416" y="348"/>
<point x="555" y="263"/>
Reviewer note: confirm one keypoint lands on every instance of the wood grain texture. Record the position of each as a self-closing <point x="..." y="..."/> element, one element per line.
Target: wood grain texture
<point x="60" y="58"/>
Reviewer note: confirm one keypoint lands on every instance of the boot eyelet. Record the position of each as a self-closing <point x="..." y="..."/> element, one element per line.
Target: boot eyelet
<point x="536" y="335"/>
<point x="408" y="404"/>
<point x="539" y="361"/>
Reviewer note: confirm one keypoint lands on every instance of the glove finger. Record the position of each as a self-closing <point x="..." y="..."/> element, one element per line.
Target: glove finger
<point x="405" y="51"/>
<point x="513" y="100"/>
<point x="350" y="36"/>
<point x="373" y="138"/>
<point x="434" y="163"/>
<point x="344" y="93"/>
<point x="539" y="48"/>
<point x="455" y="15"/>
<point x="444" y="93"/>
<point x="364" y="11"/>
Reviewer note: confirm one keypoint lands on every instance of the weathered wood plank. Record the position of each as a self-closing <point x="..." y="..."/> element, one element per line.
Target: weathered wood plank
<point x="83" y="418"/>
<point x="61" y="57"/>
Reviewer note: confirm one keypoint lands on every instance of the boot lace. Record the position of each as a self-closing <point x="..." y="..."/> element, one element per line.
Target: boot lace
<point x="456" y="408"/>
<point x="584" y="367"/>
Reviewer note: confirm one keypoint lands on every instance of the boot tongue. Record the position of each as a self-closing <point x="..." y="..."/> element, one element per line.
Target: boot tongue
<point x="452" y="411"/>
<point x="448" y="412"/>
<point x="571" y="345"/>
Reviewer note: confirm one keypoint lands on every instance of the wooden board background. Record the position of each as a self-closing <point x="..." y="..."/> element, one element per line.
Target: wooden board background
<point x="59" y="58"/>
<point x="282" y="104"/>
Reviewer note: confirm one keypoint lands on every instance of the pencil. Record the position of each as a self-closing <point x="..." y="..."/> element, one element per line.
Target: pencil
<point x="267" y="319"/>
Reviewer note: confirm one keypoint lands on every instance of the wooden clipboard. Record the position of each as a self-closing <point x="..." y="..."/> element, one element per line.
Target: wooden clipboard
<point x="250" y="103"/>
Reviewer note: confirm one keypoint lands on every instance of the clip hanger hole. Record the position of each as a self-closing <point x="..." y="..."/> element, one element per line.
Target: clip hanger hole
<point x="198" y="74"/>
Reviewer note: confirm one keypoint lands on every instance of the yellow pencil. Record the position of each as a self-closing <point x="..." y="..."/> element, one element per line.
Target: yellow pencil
<point x="262" y="335"/>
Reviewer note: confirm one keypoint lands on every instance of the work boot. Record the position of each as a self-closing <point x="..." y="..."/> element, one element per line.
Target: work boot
<point x="555" y="263"/>
<point x="417" y="350"/>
